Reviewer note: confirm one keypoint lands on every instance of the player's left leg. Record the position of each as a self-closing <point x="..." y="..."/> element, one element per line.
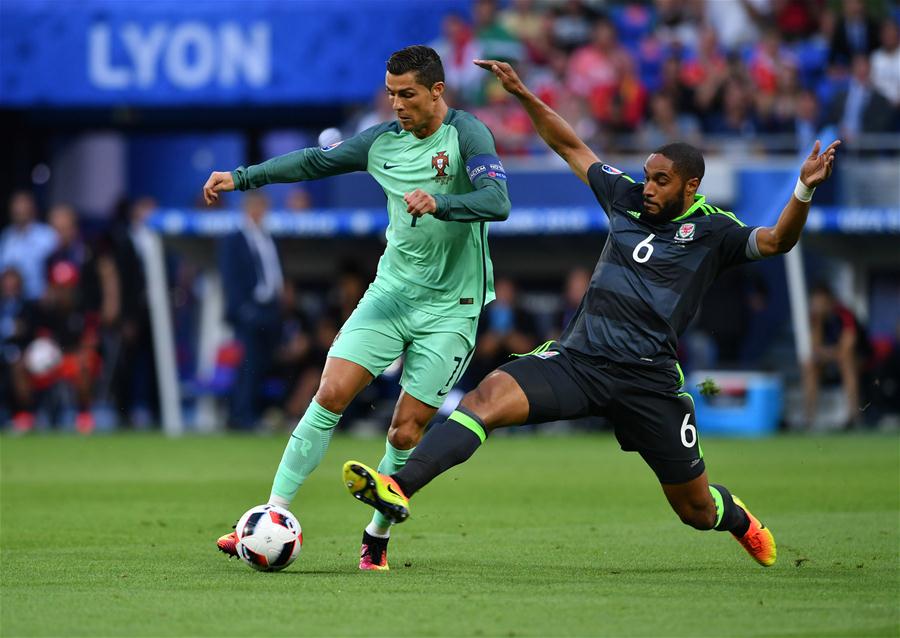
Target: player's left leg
<point x="704" y="506"/>
<point x="407" y="425"/>
<point x="661" y="426"/>
<point x="436" y="357"/>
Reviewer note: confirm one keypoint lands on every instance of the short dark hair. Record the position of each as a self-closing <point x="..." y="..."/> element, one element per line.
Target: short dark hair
<point x="687" y="159"/>
<point x="423" y="60"/>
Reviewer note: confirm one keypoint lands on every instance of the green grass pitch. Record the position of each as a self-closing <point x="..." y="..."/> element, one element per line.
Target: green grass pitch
<point x="536" y="536"/>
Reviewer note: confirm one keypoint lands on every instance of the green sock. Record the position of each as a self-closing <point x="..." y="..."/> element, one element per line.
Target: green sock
<point x="303" y="453"/>
<point x="392" y="461"/>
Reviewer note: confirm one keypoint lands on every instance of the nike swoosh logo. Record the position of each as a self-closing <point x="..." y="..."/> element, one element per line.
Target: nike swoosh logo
<point x="390" y="166"/>
<point x="390" y="488"/>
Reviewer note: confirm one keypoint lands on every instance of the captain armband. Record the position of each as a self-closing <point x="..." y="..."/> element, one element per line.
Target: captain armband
<point x="488" y="166"/>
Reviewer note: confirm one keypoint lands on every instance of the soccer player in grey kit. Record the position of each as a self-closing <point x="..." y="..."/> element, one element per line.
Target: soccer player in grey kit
<point x="617" y="357"/>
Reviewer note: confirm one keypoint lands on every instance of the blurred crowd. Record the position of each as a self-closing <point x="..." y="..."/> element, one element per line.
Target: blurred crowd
<point x="724" y="74"/>
<point x="76" y="348"/>
<point x="74" y="326"/>
<point x="76" y="345"/>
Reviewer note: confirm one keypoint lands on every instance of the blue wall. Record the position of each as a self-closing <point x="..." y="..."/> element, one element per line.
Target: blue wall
<point x="170" y="52"/>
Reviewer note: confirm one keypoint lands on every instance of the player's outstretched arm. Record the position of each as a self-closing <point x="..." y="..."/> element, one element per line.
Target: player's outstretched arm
<point x="552" y="128"/>
<point x="785" y="234"/>
<point x="298" y="166"/>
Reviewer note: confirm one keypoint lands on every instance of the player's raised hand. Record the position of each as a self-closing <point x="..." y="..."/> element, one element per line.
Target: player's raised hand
<point x="419" y="203"/>
<point x="505" y="73"/>
<point x="218" y="182"/>
<point x="817" y="167"/>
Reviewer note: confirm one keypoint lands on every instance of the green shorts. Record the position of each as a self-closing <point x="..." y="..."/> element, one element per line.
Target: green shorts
<point x="437" y="349"/>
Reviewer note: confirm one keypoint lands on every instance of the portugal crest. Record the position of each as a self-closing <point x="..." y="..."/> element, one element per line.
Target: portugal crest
<point x="440" y="163"/>
<point x="685" y="232"/>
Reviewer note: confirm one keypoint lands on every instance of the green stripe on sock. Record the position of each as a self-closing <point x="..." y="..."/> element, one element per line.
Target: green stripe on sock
<point x="468" y="422"/>
<point x="720" y="504"/>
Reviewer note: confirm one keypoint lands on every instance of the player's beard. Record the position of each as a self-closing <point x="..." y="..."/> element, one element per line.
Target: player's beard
<point x="672" y="208"/>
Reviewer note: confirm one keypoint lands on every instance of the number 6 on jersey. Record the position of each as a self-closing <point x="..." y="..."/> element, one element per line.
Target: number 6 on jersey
<point x="645" y="246"/>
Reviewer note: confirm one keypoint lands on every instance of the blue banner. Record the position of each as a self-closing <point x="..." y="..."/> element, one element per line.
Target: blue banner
<point x="368" y="222"/>
<point x="170" y="52"/>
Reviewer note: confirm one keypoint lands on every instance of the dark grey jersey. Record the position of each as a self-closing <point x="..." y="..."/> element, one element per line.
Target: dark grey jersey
<point x="651" y="276"/>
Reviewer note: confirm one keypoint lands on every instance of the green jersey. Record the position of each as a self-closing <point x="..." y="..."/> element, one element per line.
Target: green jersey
<point x="440" y="263"/>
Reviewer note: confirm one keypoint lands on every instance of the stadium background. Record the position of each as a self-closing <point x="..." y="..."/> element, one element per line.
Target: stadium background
<point x="114" y="108"/>
<point x="116" y="111"/>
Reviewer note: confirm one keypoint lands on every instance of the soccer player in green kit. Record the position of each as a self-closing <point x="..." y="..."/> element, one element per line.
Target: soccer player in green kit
<point x="443" y="180"/>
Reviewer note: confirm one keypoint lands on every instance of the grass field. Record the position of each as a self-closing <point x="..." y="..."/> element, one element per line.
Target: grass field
<point x="536" y="536"/>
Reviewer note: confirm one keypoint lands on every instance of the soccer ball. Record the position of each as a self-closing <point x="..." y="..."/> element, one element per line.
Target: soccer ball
<point x="269" y="538"/>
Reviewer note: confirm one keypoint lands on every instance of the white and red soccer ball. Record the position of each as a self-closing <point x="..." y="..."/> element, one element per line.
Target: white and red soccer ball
<point x="268" y="538"/>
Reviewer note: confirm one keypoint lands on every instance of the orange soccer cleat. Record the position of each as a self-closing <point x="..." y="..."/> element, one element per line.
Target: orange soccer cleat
<point x="227" y="543"/>
<point x="758" y="540"/>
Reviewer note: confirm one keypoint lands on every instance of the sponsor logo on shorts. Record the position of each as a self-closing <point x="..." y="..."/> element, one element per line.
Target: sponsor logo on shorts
<point x="547" y="355"/>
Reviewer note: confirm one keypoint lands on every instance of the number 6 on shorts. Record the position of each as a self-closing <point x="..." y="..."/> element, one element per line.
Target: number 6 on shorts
<point x="685" y="428"/>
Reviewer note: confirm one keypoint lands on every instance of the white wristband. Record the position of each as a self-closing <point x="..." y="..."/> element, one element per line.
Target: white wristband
<point x="803" y="192"/>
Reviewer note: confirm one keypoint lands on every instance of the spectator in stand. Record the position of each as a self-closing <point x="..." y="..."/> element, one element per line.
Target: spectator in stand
<point x="708" y="64"/>
<point x="505" y="328"/>
<point x="737" y="22"/>
<point x="529" y="27"/>
<point x="571" y="26"/>
<point x="886" y="391"/>
<point x="59" y="323"/>
<point x="854" y="34"/>
<point x="380" y="109"/>
<point x="679" y="88"/>
<point x="736" y="118"/>
<point x="768" y="57"/>
<point x="25" y="244"/>
<point x="840" y="347"/>
<point x="886" y="63"/>
<point x="861" y="108"/>
<point x="14" y="388"/>
<point x="298" y="200"/>
<point x="577" y="283"/>
<point x="666" y="125"/>
<point x="621" y="109"/>
<point x="777" y="111"/>
<point x="806" y="120"/>
<point x="309" y="357"/>
<point x="592" y="68"/>
<point x="508" y="122"/>
<point x="796" y="19"/>
<point x="677" y="22"/>
<point x="457" y="48"/>
<point x="495" y="40"/>
<point x="98" y="277"/>
<point x="134" y="379"/>
<point x="253" y="283"/>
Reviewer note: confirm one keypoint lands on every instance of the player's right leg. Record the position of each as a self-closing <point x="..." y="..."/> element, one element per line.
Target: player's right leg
<point x="365" y="346"/>
<point x="341" y="381"/>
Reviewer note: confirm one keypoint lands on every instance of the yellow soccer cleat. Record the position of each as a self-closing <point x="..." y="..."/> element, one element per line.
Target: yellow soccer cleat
<point x="758" y="541"/>
<point x="378" y="490"/>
